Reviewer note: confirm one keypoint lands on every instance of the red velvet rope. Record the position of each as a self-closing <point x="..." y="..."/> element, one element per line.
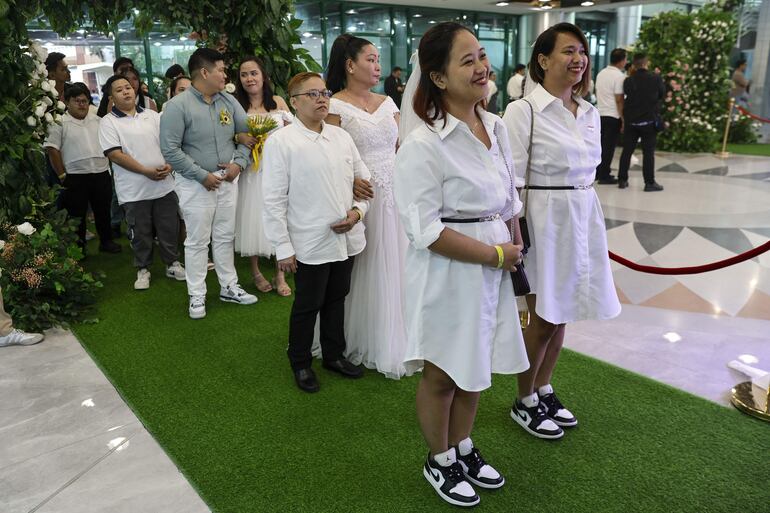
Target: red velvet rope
<point x="694" y="269"/>
<point x="752" y="116"/>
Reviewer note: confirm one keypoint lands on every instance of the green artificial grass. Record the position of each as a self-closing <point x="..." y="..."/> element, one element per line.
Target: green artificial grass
<point x="762" y="150"/>
<point x="218" y="395"/>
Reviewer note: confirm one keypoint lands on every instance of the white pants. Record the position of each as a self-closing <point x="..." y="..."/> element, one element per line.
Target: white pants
<point x="208" y="216"/>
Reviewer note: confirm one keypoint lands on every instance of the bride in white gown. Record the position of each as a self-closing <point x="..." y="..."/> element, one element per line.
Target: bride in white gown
<point x="374" y="322"/>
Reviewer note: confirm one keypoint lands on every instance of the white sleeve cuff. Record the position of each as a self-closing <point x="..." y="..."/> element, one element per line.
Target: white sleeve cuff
<point x="284" y="250"/>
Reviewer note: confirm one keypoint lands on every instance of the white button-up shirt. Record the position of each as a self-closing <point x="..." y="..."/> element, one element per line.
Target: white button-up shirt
<point x="567" y="266"/>
<point x="609" y="82"/>
<point x="308" y="187"/>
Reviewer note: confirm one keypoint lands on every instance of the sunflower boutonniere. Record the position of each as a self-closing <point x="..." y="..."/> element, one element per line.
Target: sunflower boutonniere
<point x="224" y="117"/>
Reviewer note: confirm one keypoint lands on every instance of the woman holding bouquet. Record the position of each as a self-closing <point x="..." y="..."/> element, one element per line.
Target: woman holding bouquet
<point x="267" y="113"/>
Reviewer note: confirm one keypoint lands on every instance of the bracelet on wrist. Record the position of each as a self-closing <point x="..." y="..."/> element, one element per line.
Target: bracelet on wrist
<point x="500" y="256"/>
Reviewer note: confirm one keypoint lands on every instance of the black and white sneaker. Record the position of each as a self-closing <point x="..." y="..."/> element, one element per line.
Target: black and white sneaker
<point x="235" y="294"/>
<point x="478" y="471"/>
<point x="450" y="483"/>
<point x="535" y="420"/>
<point x="557" y="412"/>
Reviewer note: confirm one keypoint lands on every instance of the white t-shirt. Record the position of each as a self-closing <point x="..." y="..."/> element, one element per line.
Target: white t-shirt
<point x="514" y="86"/>
<point x="609" y="82"/>
<point x="139" y="137"/>
<point x="78" y="142"/>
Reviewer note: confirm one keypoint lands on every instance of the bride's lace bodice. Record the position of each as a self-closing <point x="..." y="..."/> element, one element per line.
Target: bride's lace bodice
<point x="375" y="135"/>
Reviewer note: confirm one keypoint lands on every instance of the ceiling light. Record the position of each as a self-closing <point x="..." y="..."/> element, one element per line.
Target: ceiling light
<point x="587" y="3"/>
<point x="306" y="34"/>
<point x="501" y="4"/>
<point x="546" y="7"/>
<point x="156" y="43"/>
<point x="351" y="11"/>
<point x="432" y="22"/>
<point x="418" y="15"/>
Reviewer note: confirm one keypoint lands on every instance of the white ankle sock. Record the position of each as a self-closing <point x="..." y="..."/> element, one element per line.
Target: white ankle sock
<point x="465" y="447"/>
<point x="545" y="389"/>
<point x="446" y="458"/>
<point x="530" y="400"/>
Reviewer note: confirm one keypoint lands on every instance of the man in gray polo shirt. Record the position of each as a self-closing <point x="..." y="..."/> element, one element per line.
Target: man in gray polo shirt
<point x="196" y="137"/>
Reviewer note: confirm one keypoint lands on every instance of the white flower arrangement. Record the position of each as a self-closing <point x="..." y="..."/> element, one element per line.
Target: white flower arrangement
<point x="42" y="94"/>
<point x="26" y="229"/>
<point x="230" y="87"/>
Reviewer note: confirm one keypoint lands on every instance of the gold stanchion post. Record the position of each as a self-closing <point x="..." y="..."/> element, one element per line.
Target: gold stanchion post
<point x="752" y="400"/>
<point x="724" y="153"/>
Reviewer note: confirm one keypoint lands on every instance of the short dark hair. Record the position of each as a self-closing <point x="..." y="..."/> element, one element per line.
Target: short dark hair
<point x="435" y="47"/>
<point x="107" y="87"/>
<point x="545" y="44"/>
<point x="519" y="67"/>
<point x="267" y="89"/>
<point x="617" y="55"/>
<point x="174" y="84"/>
<point x="174" y="71"/>
<point x="396" y="68"/>
<point x="121" y="61"/>
<point x="52" y="60"/>
<point x="76" y="89"/>
<point x="639" y="58"/>
<point x="345" y="47"/>
<point x="203" y="58"/>
<point x="740" y="62"/>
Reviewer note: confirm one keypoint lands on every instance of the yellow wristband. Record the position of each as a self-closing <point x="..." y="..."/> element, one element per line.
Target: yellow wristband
<point x="500" y="256"/>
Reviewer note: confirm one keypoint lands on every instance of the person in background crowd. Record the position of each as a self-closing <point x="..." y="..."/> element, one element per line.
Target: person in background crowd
<point x="174" y="71"/>
<point x="741" y="85"/>
<point x="394" y="87"/>
<point x="255" y="94"/>
<point x="515" y="87"/>
<point x="9" y="336"/>
<point x="129" y="136"/>
<point x="121" y="65"/>
<point x="645" y="92"/>
<point x="492" y="94"/>
<point x="374" y="321"/>
<point x="74" y="151"/>
<point x="313" y="221"/>
<point x="455" y="195"/>
<point x="197" y="133"/>
<point x="145" y="102"/>
<point x="58" y="70"/>
<point x="567" y="264"/>
<point x="609" y="98"/>
<point x="178" y="85"/>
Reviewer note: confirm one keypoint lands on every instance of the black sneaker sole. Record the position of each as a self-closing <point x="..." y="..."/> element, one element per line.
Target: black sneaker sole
<point x="441" y="494"/>
<point x="533" y="432"/>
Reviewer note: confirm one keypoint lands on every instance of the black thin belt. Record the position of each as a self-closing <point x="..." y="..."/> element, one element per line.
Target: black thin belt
<point x="558" y="187"/>
<point x="493" y="217"/>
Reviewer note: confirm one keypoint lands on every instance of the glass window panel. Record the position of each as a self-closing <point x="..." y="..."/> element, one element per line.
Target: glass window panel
<point x="424" y="20"/>
<point x="310" y="14"/>
<point x="491" y="26"/>
<point x="367" y="18"/>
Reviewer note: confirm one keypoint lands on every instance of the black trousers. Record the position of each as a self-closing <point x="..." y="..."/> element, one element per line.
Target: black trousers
<point x="318" y="289"/>
<point x="631" y="135"/>
<point x="610" y="133"/>
<point x="93" y="188"/>
<point x="148" y="217"/>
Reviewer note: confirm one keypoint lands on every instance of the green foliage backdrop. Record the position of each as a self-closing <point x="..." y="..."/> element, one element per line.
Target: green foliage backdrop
<point x="691" y="50"/>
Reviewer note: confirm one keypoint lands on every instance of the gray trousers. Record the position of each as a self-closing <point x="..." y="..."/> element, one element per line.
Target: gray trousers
<point x="162" y="214"/>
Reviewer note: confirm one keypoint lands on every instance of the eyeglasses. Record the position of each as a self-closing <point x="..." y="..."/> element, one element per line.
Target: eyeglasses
<point x="80" y="101"/>
<point x="315" y="93"/>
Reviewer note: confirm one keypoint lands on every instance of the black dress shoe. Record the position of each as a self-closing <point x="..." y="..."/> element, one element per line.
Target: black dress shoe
<point x="653" y="187"/>
<point x="344" y="367"/>
<point x="110" y="247"/>
<point x="622" y="184"/>
<point x="306" y="380"/>
<point x="609" y="180"/>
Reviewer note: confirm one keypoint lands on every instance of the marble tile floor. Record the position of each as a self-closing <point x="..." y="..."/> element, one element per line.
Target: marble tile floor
<point x="69" y="444"/>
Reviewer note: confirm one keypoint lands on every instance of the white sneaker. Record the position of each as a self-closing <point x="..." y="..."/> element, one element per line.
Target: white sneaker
<point x="197" y="307"/>
<point x="235" y="294"/>
<point x="142" y="280"/>
<point x="20" y="338"/>
<point x="176" y="272"/>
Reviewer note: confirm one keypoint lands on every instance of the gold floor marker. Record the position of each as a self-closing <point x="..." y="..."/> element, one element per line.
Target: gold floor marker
<point x="752" y="400"/>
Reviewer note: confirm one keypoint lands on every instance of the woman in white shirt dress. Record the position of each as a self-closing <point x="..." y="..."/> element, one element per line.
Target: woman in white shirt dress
<point x="567" y="265"/>
<point x="455" y="196"/>
<point x="255" y="95"/>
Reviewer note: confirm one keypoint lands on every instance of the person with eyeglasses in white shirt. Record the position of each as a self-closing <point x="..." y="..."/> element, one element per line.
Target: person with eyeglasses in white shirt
<point x="314" y="222"/>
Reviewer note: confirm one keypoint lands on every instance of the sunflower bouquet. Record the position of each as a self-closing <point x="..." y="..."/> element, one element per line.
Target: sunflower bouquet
<point x="259" y="128"/>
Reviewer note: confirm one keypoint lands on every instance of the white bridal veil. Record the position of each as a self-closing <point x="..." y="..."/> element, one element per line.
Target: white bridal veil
<point x="409" y="120"/>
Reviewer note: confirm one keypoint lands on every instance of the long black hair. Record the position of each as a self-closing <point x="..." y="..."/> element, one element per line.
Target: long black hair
<point x="267" y="88"/>
<point x="345" y="47"/>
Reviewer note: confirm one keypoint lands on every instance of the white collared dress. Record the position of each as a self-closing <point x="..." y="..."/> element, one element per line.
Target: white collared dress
<point x="568" y="266"/>
<point x="461" y="317"/>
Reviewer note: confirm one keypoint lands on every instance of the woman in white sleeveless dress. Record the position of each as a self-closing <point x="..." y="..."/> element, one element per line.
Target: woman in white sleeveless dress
<point x="374" y="322"/>
<point x="254" y="93"/>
